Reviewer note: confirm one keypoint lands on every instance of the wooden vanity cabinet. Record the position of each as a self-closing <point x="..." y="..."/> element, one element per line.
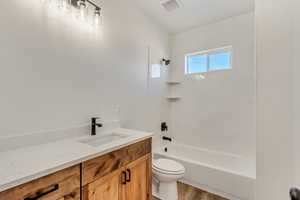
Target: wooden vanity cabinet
<point x="132" y="182"/>
<point x="124" y="174"/>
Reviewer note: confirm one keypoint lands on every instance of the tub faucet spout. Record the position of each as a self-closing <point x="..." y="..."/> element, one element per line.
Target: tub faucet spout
<point x="167" y="138"/>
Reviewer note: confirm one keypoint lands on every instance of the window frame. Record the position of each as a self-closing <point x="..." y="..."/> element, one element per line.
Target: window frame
<point x="208" y="53"/>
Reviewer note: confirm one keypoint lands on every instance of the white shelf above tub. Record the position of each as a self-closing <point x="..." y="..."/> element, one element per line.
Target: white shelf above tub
<point x="171" y="82"/>
<point x="173" y="98"/>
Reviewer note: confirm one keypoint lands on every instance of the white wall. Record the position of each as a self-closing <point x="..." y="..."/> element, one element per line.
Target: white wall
<point x="56" y="74"/>
<point x="277" y="97"/>
<point x="218" y="112"/>
<point x="296" y="91"/>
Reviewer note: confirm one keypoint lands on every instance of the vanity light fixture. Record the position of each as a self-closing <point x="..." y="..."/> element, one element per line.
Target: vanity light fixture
<point x="80" y="9"/>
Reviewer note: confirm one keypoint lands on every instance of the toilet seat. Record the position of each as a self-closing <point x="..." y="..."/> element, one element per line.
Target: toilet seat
<point x="167" y="166"/>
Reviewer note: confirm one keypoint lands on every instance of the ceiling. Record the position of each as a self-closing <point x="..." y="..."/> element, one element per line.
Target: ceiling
<point x="193" y="13"/>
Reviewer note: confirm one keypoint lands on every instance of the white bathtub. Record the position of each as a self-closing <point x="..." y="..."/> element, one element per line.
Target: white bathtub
<point x="225" y="174"/>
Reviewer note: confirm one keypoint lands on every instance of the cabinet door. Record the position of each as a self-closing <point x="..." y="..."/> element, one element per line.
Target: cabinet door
<point x="109" y="187"/>
<point x="61" y="185"/>
<point x="139" y="176"/>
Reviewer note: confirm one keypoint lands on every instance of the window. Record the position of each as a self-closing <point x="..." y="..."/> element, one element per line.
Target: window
<point x="211" y="60"/>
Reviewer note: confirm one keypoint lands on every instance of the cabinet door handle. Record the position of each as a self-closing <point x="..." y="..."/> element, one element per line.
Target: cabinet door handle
<point x="55" y="187"/>
<point x="125" y="178"/>
<point x="129" y="175"/>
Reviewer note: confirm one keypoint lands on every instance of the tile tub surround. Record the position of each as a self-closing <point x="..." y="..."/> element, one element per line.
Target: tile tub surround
<point x="188" y="192"/>
<point x="31" y="162"/>
<point x="202" y="114"/>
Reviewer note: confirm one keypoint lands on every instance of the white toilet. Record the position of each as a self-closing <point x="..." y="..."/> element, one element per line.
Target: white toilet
<point x="166" y="172"/>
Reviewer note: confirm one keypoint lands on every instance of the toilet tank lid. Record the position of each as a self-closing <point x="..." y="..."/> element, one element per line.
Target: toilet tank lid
<point x="168" y="165"/>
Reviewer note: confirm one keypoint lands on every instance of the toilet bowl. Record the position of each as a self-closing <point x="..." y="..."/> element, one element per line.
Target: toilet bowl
<point x="166" y="172"/>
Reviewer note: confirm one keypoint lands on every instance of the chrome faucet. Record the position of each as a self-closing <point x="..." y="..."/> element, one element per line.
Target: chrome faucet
<point x="94" y="125"/>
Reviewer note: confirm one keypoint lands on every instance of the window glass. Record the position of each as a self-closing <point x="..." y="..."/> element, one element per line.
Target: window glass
<point x="219" y="61"/>
<point x="197" y="64"/>
<point x="211" y="60"/>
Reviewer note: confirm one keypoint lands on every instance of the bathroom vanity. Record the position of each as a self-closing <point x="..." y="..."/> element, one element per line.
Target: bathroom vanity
<point x="120" y="170"/>
<point x="124" y="174"/>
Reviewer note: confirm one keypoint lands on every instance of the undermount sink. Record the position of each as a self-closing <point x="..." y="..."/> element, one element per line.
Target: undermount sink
<point x="104" y="139"/>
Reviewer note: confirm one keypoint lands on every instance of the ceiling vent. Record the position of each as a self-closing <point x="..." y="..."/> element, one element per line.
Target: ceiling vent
<point x="170" y="5"/>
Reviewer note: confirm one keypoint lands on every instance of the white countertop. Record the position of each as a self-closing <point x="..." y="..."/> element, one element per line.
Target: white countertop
<point x="25" y="164"/>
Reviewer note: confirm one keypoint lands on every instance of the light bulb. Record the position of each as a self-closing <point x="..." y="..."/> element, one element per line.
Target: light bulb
<point x="66" y="5"/>
<point x="97" y="16"/>
<point x="82" y="7"/>
<point x="59" y="3"/>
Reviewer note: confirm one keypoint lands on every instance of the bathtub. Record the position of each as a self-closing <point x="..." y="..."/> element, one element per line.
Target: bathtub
<point x="228" y="175"/>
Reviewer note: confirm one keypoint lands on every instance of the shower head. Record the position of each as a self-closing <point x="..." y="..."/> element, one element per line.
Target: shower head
<point x="166" y="62"/>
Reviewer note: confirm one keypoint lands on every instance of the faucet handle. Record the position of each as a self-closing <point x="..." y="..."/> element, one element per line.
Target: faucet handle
<point x="95" y="118"/>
